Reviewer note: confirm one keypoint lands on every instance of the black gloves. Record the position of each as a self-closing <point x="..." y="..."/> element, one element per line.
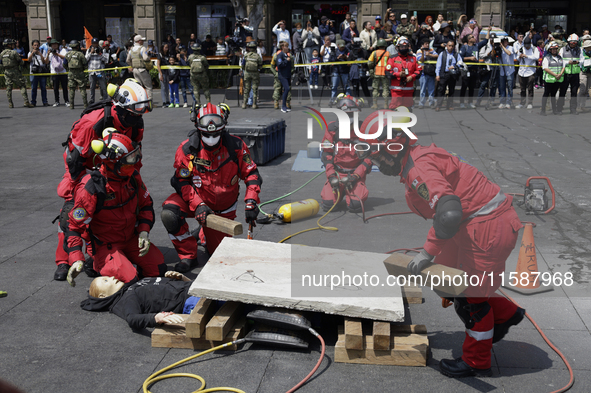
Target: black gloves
<point x="251" y="212"/>
<point x="201" y="213"/>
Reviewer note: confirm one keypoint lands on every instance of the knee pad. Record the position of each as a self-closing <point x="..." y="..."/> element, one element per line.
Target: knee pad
<point x="470" y="313"/>
<point x="171" y="218"/>
<point x="63" y="217"/>
<point x="354" y="205"/>
<point x="326" y="205"/>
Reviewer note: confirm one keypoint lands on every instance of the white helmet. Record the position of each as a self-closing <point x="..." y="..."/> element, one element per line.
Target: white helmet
<point x="553" y="44"/>
<point x="403" y="40"/>
<point x="131" y="95"/>
<point x="573" y="37"/>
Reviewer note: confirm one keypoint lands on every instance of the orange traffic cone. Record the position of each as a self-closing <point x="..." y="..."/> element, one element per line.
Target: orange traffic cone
<point x="527" y="279"/>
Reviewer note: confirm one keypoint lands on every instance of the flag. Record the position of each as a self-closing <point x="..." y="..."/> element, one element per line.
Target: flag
<point x="87" y="37"/>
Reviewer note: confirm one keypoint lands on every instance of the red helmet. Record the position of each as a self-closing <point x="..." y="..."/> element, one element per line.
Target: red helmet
<point x="117" y="151"/>
<point x="348" y="103"/>
<point x="210" y="119"/>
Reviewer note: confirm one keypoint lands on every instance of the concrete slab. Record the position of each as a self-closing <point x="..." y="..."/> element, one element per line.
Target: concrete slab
<point x="269" y="274"/>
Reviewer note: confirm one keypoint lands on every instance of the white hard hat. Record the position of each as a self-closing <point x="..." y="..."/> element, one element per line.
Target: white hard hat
<point x="573" y="37"/>
<point x="132" y="96"/>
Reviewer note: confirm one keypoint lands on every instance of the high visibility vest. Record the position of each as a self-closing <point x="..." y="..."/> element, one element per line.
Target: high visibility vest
<point x="555" y="66"/>
<point x="572" y="54"/>
<point x="380" y="69"/>
<point x="586" y="70"/>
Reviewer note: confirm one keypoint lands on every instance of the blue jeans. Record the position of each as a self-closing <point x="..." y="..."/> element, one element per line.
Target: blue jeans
<point x="427" y="84"/>
<point x="185" y="85"/>
<point x="484" y="84"/>
<point x="506" y="85"/>
<point x="42" y="81"/>
<point x="313" y="78"/>
<point x="344" y="78"/>
<point x="174" y="93"/>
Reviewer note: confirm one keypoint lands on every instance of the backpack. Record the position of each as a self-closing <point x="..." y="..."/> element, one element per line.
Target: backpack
<point x="74" y="62"/>
<point x="251" y="64"/>
<point x="197" y="66"/>
<point x="8" y="60"/>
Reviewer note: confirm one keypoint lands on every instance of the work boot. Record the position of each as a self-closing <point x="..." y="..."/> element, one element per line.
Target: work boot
<point x="255" y="106"/>
<point x="288" y="104"/>
<point x="386" y="106"/>
<point x="244" y="105"/>
<point x="62" y="272"/>
<point x="185" y="265"/>
<point x="28" y="105"/>
<point x="10" y="104"/>
<point x="72" y="106"/>
<point x="276" y="105"/>
<point x="374" y="106"/>
<point x="457" y="368"/>
<point x="502" y="329"/>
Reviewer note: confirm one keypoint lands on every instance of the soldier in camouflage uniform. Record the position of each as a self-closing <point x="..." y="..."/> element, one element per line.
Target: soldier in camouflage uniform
<point x="277" y="87"/>
<point x="199" y="79"/>
<point x="251" y="64"/>
<point x="404" y="28"/>
<point x="558" y="34"/>
<point x="76" y="76"/>
<point x="11" y="62"/>
<point x="377" y="64"/>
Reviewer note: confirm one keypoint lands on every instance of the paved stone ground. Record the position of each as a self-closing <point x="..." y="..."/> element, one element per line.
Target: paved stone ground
<point x="49" y="344"/>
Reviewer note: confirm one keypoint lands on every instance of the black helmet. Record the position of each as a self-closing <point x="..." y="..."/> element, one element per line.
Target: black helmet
<point x="195" y="46"/>
<point x="73" y="44"/>
<point x="251" y="44"/>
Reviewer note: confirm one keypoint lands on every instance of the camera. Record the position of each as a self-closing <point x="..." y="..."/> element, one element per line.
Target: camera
<point x="239" y="22"/>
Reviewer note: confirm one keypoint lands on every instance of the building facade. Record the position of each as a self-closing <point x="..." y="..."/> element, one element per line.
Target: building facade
<point x="155" y="19"/>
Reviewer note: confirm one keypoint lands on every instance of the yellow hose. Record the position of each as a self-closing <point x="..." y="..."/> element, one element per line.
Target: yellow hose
<point x="152" y="379"/>
<point x="320" y="226"/>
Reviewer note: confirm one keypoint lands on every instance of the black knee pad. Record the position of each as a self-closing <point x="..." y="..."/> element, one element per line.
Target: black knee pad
<point x="63" y="217"/>
<point x="354" y="205"/>
<point x="171" y="218"/>
<point x="326" y="205"/>
<point x="162" y="269"/>
<point x="464" y="309"/>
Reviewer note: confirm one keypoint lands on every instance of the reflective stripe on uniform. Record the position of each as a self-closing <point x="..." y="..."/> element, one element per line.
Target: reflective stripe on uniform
<point x="401" y="88"/>
<point x="491" y="205"/>
<point x="481" y="336"/>
<point x="180" y="238"/>
<point x="230" y="209"/>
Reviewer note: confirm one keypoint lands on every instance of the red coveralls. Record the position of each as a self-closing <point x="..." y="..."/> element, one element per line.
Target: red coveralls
<point x="127" y="210"/>
<point x="341" y="160"/>
<point x="79" y="159"/>
<point x="483" y="242"/>
<point x="401" y="90"/>
<point x="210" y="177"/>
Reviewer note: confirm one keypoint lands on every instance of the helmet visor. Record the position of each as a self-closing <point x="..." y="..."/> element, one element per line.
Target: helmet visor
<point x="211" y="123"/>
<point x="132" y="157"/>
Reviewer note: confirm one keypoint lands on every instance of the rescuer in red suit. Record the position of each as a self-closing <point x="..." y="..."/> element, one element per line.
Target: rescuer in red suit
<point x="130" y="102"/>
<point x="402" y="70"/>
<point x="475" y="228"/>
<point x="345" y="171"/>
<point x="114" y="208"/>
<point x="208" y="167"/>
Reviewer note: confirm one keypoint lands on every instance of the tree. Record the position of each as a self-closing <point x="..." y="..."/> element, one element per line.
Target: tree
<point x="256" y="13"/>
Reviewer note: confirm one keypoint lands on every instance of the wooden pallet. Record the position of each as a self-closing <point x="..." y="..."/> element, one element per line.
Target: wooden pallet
<point x="412" y="294"/>
<point x="204" y="328"/>
<point x="388" y="344"/>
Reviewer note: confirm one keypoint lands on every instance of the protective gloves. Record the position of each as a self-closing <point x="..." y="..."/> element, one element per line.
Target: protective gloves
<point x="201" y="214"/>
<point x="419" y="262"/>
<point x="74" y="271"/>
<point x="143" y="243"/>
<point x="251" y="212"/>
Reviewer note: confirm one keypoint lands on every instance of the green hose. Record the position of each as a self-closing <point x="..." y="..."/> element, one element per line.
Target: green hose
<point x="288" y="194"/>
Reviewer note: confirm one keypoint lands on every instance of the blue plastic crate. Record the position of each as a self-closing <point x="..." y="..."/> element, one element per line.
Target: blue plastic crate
<point x="265" y="137"/>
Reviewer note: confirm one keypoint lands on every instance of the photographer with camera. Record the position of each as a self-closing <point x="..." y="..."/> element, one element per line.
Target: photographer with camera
<point x="56" y="62"/>
<point x="96" y="61"/>
<point x="447" y="73"/>
<point x="340" y="73"/>
<point x="282" y="34"/>
<point x="469" y="53"/>
<point x="441" y="40"/>
<point x="489" y="75"/>
<point x="507" y="73"/>
<point x="358" y="73"/>
<point x="38" y="64"/>
<point x="528" y="56"/>
<point x="326" y="51"/>
<point x="350" y="33"/>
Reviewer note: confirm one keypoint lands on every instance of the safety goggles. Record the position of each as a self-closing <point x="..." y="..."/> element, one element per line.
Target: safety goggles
<point x="132" y="157"/>
<point x="211" y="123"/>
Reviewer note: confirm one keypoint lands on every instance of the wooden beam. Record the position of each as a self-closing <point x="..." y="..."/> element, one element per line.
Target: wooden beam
<point x="406" y="350"/>
<point x="353" y="333"/>
<point x="224" y="225"/>
<point x="408" y="329"/>
<point x="201" y="314"/>
<point x="381" y="335"/>
<point x="412" y="294"/>
<point x="221" y="323"/>
<point x="433" y="274"/>
<point x="166" y="337"/>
